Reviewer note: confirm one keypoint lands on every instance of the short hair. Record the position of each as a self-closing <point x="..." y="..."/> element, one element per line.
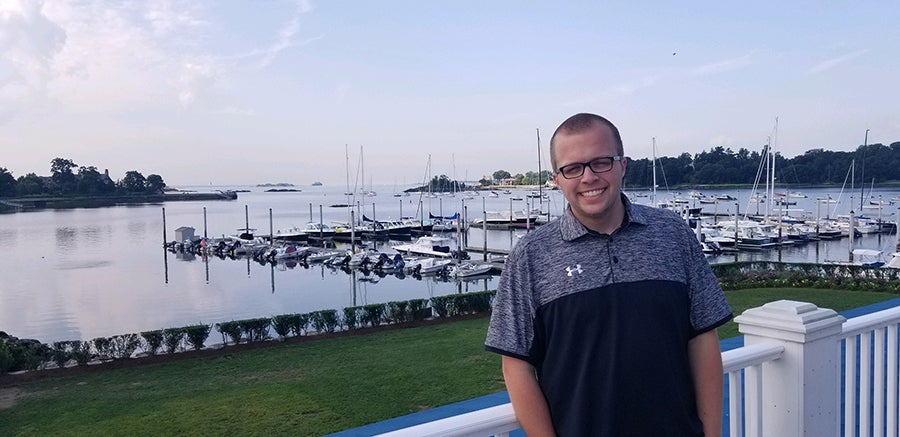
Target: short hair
<point x="579" y="123"/>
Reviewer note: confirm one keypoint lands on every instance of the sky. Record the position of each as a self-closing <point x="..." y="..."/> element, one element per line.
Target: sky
<point x="247" y="92"/>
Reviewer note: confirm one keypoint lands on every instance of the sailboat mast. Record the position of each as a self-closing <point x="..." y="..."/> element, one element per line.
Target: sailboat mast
<point x="653" y="193"/>
<point x="773" y="141"/>
<point x="770" y="192"/>
<point x="540" y="179"/>
<point x="862" y="174"/>
<point x="347" y="170"/>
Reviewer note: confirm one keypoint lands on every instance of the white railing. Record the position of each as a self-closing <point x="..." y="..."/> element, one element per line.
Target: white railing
<point x="744" y="369"/>
<point x="785" y="380"/>
<point x="494" y="421"/>
<point x="870" y="404"/>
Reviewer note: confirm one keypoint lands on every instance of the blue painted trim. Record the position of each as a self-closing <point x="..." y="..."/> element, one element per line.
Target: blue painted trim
<point x="426" y="416"/>
<point x="500" y="398"/>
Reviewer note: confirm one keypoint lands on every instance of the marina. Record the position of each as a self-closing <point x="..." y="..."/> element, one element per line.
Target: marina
<point x="88" y="272"/>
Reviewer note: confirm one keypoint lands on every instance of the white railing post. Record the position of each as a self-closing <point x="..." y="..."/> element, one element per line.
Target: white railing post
<point x="801" y="390"/>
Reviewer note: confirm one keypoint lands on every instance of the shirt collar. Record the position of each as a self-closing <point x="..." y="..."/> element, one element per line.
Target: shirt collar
<point x="572" y="229"/>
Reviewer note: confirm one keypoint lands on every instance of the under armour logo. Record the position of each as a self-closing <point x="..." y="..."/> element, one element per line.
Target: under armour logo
<point x="570" y="270"/>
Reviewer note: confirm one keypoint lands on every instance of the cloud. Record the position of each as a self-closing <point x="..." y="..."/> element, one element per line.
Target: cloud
<point x="723" y="66"/>
<point x="28" y="43"/>
<point x="98" y="55"/>
<point x="196" y="77"/>
<point x="834" y="62"/>
<point x="107" y="55"/>
<point x="285" y="36"/>
<point x="164" y="18"/>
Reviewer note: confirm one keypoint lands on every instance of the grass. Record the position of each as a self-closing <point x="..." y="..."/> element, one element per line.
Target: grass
<point x="310" y="388"/>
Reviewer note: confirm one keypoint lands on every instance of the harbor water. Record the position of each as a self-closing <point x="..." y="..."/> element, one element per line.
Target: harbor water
<point x="77" y="274"/>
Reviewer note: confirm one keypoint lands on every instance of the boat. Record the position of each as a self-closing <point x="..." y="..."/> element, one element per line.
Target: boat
<point x="323" y="256"/>
<point x="864" y="258"/>
<point x="290" y="251"/>
<point x="894" y="263"/>
<point x="427" y="246"/>
<point x="427" y="265"/>
<point x="293" y="233"/>
<point x="467" y="270"/>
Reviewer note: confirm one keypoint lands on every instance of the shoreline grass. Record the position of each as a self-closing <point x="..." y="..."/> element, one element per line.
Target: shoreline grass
<point x="307" y="388"/>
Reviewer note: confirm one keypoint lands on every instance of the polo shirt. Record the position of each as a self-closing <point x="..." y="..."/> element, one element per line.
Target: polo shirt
<point x="606" y="319"/>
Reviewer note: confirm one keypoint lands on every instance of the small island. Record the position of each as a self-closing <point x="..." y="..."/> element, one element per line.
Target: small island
<point x="283" y="190"/>
<point x="317" y="184"/>
<point x="278" y="184"/>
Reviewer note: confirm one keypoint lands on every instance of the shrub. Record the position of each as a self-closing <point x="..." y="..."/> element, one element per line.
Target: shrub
<point x="282" y="324"/>
<point x="324" y="320"/>
<point x="443" y="306"/>
<point x="152" y="341"/>
<point x="299" y="322"/>
<point x="81" y="352"/>
<point x="477" y="302"/>
<point x="373" y="314"/>
<point x="231" y="329"/>
<point x="6" y="357"/>
<point x="123" y="346"/>
<point x="351" y="317"/>
<point x="255" y="329"/>
<point x="61" y="353"/>
<point x="172" y="338"/>
<point x="197" y="335"/>
<point x="418" y="309"/>
<point x="398" y="311"/>
<point x="103" y="348"/>
<point x="22" y="355"/>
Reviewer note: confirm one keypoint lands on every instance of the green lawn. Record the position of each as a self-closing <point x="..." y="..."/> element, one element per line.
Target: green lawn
<point x="310" y="388"/>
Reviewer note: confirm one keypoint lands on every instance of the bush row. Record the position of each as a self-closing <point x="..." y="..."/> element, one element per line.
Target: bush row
<point x="30" y="354"/>
<point x="768" y="274"/>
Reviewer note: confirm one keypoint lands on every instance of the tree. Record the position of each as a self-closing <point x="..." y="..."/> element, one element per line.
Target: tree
<point x="30" y="185"/>
<point x="500" y="175"/>
<point x="133" y="182"/>
<point x="7" y="183"/>
<point x="91" y="182"/>
<point x="62" y="176"/>
<point x="155" y="184"/>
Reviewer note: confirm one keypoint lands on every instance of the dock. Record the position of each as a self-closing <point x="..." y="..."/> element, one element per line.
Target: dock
<point x="501" y="252"/>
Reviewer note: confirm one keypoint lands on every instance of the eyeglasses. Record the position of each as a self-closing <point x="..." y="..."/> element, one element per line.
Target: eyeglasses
<point x="598" y="165"/>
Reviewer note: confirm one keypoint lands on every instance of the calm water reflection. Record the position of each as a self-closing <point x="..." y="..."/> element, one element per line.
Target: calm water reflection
<point x="84" y="273"/>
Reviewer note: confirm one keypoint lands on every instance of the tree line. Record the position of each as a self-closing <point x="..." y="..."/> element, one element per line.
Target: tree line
<point x="69" y="179"/>
<point x="723" y="166"/>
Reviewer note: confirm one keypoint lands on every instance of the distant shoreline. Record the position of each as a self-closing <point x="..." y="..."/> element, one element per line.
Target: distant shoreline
<point x="19" y="204"/>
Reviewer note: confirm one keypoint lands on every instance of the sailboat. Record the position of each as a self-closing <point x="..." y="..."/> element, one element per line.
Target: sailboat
<point x="347" y="193"/>
<point x="370" y="192"/>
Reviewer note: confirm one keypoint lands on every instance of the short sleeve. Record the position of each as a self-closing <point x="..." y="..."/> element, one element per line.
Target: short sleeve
<point x="511" y="329"/>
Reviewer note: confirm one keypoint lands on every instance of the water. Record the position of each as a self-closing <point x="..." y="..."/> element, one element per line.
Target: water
<point x="85" y="273"/>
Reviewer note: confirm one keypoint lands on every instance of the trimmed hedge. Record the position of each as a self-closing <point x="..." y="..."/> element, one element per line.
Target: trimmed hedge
<point x="768" y="274"/>
<point x="14" y="357"/>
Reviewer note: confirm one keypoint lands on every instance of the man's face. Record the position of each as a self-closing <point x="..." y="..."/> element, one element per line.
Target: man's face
<point x="594" y="197"/>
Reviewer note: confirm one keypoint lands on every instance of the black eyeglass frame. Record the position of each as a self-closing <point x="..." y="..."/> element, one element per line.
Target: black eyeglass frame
<point x="583" y="165"/>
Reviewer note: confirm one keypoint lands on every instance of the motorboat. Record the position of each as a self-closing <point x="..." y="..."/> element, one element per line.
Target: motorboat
<point x="294" y="233"/>
<point x="428" y="246"/>
<point x="864" y="258"/>
<point x="427" y="265"/>
<point x="466" y="270"/>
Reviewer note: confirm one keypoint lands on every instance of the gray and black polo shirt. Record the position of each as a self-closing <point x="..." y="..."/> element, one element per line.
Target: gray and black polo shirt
<point x="606" y="320"/>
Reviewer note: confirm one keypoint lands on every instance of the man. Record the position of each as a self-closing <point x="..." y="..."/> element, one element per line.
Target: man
<point x="606" y="318"/>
